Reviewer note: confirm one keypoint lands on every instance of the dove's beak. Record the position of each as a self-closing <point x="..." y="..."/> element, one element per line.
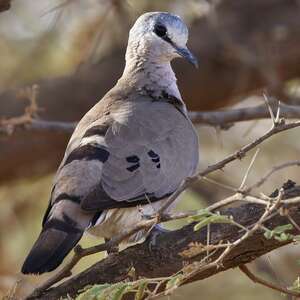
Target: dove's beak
<point x="188" y="55"/>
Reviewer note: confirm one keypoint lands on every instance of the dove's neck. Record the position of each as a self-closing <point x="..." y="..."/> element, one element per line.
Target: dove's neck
<point x="151" y="75"/>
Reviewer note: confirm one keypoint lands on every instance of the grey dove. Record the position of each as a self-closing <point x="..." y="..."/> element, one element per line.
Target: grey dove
<point x="129" y="153"/>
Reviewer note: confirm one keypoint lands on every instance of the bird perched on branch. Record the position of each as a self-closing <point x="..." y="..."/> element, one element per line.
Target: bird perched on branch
<point x="129" y="153"/>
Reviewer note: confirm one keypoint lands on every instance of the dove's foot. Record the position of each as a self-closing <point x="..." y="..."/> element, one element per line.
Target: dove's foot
<point x="153" y="235"/>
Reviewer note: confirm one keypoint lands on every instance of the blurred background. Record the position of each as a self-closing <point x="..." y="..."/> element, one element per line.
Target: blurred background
<point x="74" y="51"/>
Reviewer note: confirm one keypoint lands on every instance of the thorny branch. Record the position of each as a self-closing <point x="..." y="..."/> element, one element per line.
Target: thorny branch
<point x="222" y="119"/>
<point x="192" y="257"/>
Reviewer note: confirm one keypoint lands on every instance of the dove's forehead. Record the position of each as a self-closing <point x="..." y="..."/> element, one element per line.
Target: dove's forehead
<point x="176" y="28"/>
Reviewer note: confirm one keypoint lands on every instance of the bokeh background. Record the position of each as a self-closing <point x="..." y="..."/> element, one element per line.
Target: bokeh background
<point x="74" y="51"/>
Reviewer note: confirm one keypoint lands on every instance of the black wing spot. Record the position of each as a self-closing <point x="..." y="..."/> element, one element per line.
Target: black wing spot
<point x="152" y="154"/>
<point x="155" y="158"/>
<point x="132" y="159"/>
<point x="88" y="152"/>
<point x="133" y="167"/>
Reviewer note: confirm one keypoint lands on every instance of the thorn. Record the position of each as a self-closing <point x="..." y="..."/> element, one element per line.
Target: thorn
<point x="266" y="99"/>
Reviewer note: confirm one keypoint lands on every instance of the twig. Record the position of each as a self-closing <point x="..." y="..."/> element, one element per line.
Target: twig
<point x="263" y="282"/>
<point x="292" y="221"/>
<point x="275" y="169"/>
<point x="220" y="118"/>
<point x="266" y="99"/>
<point x="218" y="262"/>
<point x="248" y="170"/>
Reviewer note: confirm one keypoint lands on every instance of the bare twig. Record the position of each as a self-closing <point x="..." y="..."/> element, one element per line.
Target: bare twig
<point x="275" y="169"/>
<point x="263" y="282"/>
<point x="248" y="170"/>
<point x="221" y="118"/>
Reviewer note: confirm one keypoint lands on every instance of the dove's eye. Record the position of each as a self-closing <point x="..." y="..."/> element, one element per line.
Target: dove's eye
<point x="160" y="30"/>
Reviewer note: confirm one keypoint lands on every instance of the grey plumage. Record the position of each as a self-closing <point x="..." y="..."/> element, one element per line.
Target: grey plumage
<point x="134" y="146"/>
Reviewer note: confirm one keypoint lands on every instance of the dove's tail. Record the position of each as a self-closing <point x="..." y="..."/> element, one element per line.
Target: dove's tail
<point x="54" y="243"/>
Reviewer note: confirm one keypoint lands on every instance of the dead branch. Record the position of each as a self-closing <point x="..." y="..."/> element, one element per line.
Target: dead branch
<point x="270" y="285"/>
<point x="222" y="119"/>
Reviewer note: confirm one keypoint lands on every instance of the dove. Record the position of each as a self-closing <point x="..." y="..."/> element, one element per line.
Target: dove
<point x="128" y="154"/>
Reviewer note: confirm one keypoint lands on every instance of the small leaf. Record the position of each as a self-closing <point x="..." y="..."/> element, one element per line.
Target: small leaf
<point x="201" y="214"/>
<point x="173" y="283"/>
<point x="94" y="292"/>
<point x="268" y="234"/>
<point x="283" y="228"/>
<point x="296" y="285"/>
<point x="121" y="290"/>
<point x="215" y="218"/>
<point x="141" y="290"/>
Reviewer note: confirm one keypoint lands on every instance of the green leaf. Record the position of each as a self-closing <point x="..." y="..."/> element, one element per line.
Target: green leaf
<point x="174" y="282"/>
<point x="296" y="285"/>
<point x="215" y="218"/>
<point x="141" y="290"/>
<point x="94" y="292"/>
<point x="121" y="290"/>
<point x="279" y="233"/>
<point x="268" y="234"/>
<point x="201" y="214"/>
<point x="283" y="228"/>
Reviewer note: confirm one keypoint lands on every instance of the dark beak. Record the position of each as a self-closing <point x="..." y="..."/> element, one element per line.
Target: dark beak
<point x="188" y="55"/>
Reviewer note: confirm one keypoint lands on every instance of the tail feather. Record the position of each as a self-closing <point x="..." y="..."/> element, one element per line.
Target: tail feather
<point x="51" y="247"/>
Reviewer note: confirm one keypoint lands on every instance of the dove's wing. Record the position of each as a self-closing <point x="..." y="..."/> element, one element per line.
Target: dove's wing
<point x="139" y="152"/>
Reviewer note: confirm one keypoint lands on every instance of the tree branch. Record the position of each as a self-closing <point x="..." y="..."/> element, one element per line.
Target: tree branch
<point x="169" y="256"/>
<point x="222" y="119"/>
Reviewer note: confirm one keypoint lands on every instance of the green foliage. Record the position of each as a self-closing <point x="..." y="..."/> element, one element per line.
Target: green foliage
<point x="141" y="290"/>
<point x="279" y="233"/>
<point x="173" y="283"/>
<point x="296" y="285"/>
<point x="205" y="217"/>
<point x="115" y="291"/>
<point x="106" y="291"/>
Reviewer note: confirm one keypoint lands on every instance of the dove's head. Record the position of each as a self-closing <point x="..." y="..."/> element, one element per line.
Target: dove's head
<point x="159" y="37"/>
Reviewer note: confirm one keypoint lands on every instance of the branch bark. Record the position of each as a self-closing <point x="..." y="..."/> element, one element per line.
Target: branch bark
<point x="167" y="258"/>
<point x="4" y="5"/>
<point x="242" y="46"/>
